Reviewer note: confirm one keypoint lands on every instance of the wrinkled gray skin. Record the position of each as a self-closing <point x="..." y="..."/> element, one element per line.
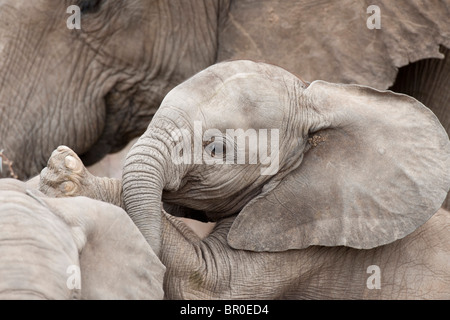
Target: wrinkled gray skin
<point x="96" y="88"/>
<point x="210" y="269"/>
<point x="348" y="154"/>
<point x="49" y="247"/>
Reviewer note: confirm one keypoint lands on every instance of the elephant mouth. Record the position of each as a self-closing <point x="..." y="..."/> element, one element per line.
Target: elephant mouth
<point x="117" y="134"/>
<point x="5" y="162"/>
<point x="305" y="83"/>
<point x="185" y="212"/>
<point x="111" y="138"/>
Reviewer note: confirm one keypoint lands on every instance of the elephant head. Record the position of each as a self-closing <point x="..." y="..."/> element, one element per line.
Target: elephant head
<point x="71" y="248"/>
<point x="354" y="166"/>
<point x="96" y="87"/>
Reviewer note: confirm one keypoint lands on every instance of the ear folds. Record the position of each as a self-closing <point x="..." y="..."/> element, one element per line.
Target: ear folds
<point x="116" y="261"/>
<point x="378" y="168"/>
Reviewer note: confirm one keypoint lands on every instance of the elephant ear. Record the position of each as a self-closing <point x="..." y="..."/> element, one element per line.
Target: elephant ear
<point x="116" y="262"/>
<point x="378" y="168"/>
<point x="333" y="41"/>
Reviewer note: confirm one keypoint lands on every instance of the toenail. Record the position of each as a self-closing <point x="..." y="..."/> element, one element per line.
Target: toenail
<point x="70" y="162"/>
<point x="62" y="148"/>
<point x="68" y="186"/>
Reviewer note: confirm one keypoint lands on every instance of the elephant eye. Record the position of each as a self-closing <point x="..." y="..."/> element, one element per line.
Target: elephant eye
<point x="215" y="148"/>
<point x="89" y="6"/>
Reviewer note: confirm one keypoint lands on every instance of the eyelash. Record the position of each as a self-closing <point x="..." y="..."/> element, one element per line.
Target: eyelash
<point x="224" y="149"/>
<point x="89" y="6"/>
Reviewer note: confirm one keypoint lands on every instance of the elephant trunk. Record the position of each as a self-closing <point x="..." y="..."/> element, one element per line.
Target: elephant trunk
<point x="147" y="172"/>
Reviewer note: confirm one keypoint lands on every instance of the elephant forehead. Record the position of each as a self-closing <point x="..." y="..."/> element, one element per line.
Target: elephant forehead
<point x="246" y="99"/>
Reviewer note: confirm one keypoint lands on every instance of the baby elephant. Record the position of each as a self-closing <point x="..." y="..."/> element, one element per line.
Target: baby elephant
<point x="71" y="248"/>
<point x="319" y="190"/>
<point x="415" y="267"/>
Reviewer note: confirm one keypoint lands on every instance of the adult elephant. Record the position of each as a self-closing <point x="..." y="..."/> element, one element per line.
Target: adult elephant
<point x="95" y="88"/>
<point x="348" y="166"/>
<point x="71" y="248"/>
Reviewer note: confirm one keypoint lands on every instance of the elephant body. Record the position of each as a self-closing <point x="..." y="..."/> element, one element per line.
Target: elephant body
<point x="70" y="249"/>
<point x="96" y="88"/>
<point x="352" y="211"/>
<point x="415" y="267"/>
<point x="33" y="264"/>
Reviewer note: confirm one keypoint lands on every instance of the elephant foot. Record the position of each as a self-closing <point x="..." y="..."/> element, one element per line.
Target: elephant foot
<point x="65" y="175"/>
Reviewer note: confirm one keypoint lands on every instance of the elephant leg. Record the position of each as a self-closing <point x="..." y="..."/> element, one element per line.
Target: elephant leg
<point x="66" y="176"/>
<point x="427" y="81"/>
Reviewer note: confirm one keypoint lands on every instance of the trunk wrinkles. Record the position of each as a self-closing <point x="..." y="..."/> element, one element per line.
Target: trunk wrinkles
<point x="147" y="172"/>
